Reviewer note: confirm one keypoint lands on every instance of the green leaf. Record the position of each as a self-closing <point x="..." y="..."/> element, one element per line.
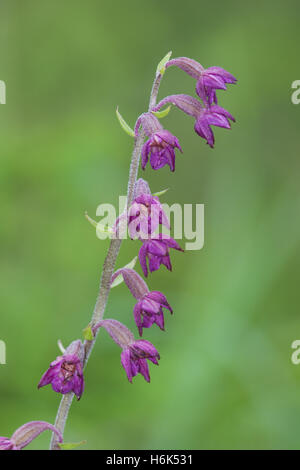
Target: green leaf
<point x="60" y="346"/>
<point x="160" y="193"/>
<point x="161" y="66"/>
<point x="71" y="445"/>
<point x="100" y="228"/>
<point x="119" y="279"/>
<point x="124" y="124"/>
<point x="90" y="220"/>
<point x="163" y="113"/>
<point x="88" y="334"/>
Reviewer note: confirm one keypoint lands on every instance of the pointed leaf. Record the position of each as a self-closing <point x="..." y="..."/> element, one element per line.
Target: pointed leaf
<point x="161" y="66"/>
<point x="119" y="279"/>
<point x="100" y="228"/>
<point x="61" y="346"/>
<point x="124" y="124"/>
<point x="88" y="334"/>
<point x="163" y="113"/>
<point x="90" y="220"/>
<point x="71" y="445"/>
<point x="160" y="193"/>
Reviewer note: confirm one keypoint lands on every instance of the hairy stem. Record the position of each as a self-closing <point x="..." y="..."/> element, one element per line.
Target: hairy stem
<point x="107" y="271"/>
<point x="154" y="91"/>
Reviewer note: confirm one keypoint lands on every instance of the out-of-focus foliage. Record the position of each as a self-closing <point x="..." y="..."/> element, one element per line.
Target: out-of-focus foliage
<point x="225" y="378"/>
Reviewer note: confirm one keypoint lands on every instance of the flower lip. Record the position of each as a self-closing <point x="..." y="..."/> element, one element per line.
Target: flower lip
<point x="68" y="369"/>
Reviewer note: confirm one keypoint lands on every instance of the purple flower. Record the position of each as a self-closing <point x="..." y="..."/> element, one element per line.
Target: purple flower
<point x="212" y="79"/>
<point x="204" y="116"/>
<point x="160" y="145"/>
<point x="212" y="116"/>
<point x="149" y="310"/>
<point x="208" y="80"/>
<point x="157" y="250"/>
<point x="25" y="434"/>
<point x="134" y="358"/>
<point x="135" y="353"/>
<point x="66" y="373"/>
<point x="144" y="216"/>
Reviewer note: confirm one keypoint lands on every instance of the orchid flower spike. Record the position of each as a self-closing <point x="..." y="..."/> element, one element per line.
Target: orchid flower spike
<point x="208" y="80"/>
<point x="26" y="434"/>
<point x="135" y="353"/>
<point x="204" y="116"/>
<point x="149" y="308"/>
<point x="160" y="145"/>
<point x="65" y="374"/>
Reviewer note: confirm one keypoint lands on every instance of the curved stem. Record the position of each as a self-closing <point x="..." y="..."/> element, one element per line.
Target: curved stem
<point x="107" y="272"/>
<point x="154" y="91"/>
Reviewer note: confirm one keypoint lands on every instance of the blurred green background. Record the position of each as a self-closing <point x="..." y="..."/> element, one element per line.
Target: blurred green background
<point x="225" y="378"/>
